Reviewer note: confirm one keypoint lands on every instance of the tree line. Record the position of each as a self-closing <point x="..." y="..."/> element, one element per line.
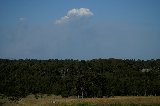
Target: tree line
<point x="81" y="78"/>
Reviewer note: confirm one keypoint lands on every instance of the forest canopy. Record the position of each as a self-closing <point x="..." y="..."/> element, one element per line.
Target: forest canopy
<point x="81" y="78"/>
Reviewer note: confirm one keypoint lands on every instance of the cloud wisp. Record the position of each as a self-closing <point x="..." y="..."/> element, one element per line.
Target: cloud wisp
<point x="22" y="19"/>
<point x="73" y="14"/>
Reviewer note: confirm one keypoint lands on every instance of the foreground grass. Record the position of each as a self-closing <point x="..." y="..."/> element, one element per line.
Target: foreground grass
<point x="59" y="101"/>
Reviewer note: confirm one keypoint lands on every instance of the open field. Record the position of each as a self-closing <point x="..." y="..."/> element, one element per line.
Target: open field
<point x="59" y="101"/>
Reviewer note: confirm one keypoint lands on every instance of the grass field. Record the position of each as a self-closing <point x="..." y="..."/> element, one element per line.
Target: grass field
<point x="72" y="101"/>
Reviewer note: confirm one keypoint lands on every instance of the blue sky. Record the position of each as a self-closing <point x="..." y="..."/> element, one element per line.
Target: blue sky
<point x="87" y="29"/>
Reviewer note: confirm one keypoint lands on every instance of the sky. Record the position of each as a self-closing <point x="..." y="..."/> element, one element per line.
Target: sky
<point x="80" y="29"/>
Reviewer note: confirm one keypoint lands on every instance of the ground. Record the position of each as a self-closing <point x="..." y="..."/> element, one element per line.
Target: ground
<point x="73" y="101"/>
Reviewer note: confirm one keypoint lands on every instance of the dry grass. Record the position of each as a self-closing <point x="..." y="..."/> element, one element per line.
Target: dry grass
<point x="59" y="101"/>
<point x="124" y="100"/>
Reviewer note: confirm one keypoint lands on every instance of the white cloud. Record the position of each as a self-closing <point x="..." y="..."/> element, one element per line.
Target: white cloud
<point x="79" y="12"/>
<point x="62" y="20"/>
<point x="73" y="13"/>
